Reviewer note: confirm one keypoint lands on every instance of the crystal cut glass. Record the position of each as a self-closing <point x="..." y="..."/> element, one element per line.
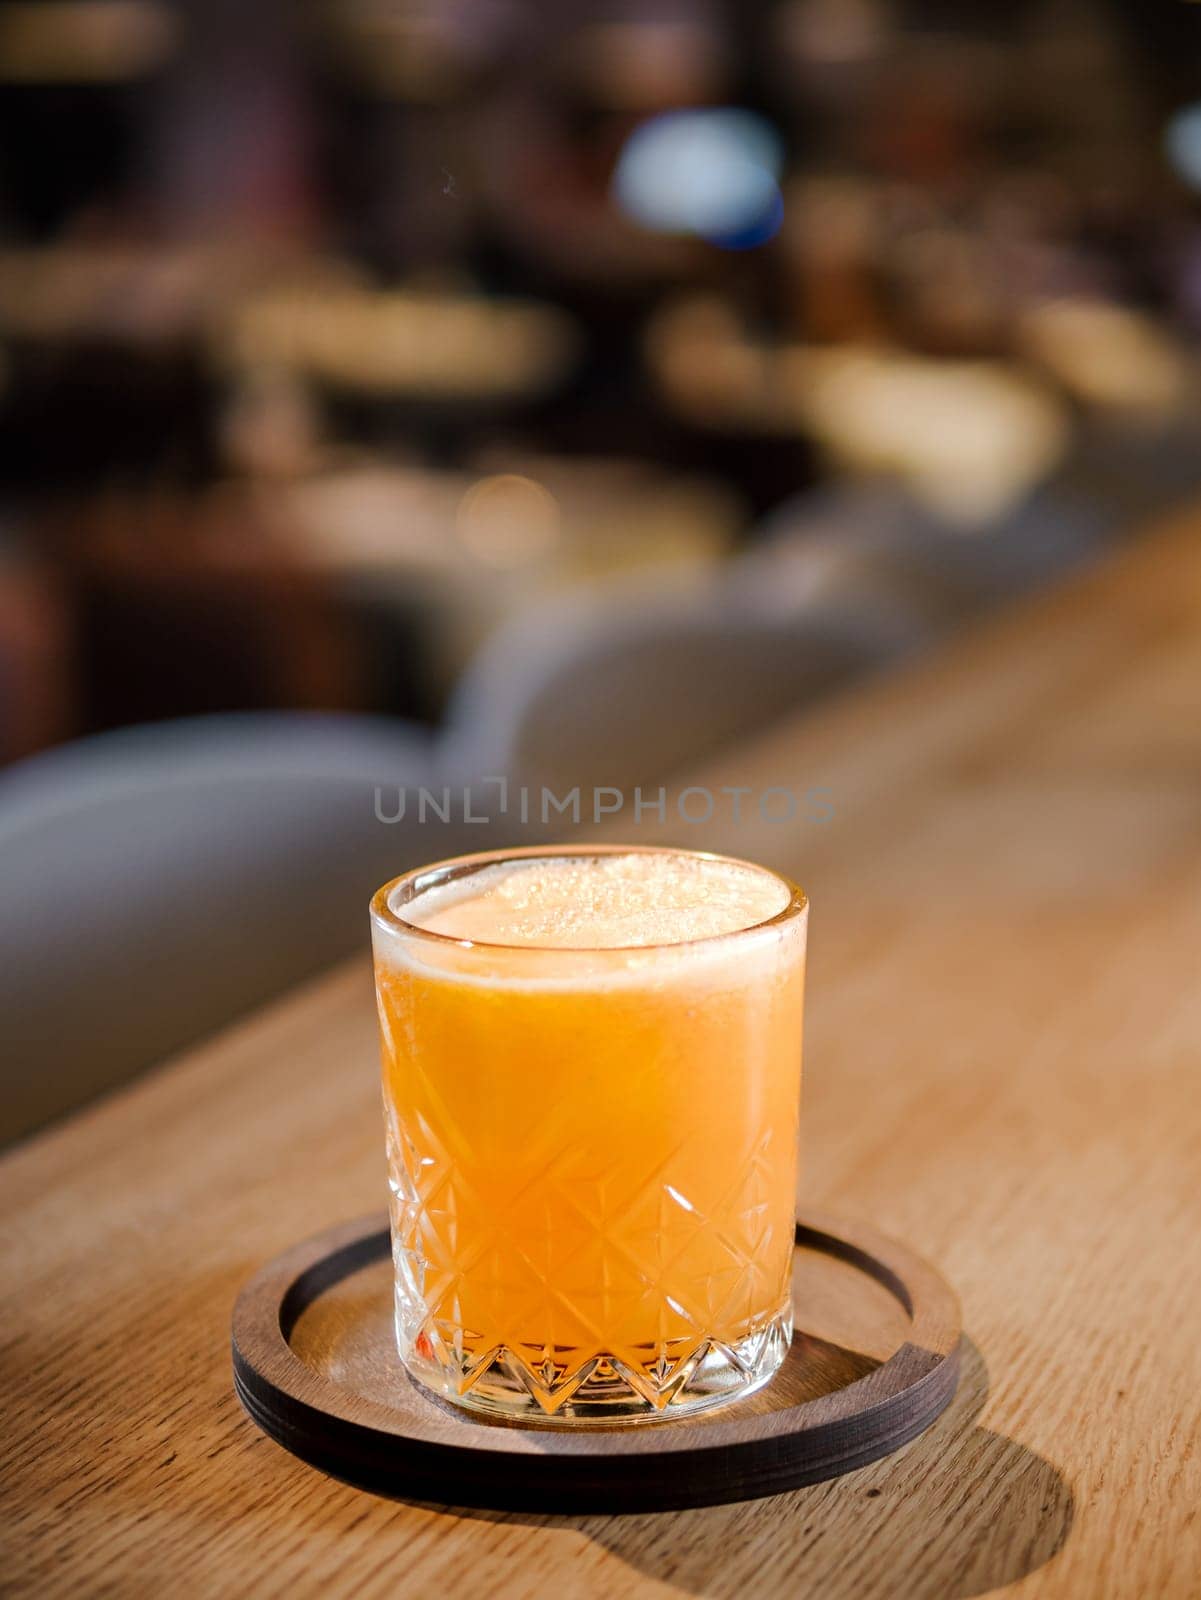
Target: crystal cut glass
<point x="592" y="1149"/>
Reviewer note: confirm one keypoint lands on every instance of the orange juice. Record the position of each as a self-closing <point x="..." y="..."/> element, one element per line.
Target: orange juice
<point x="591" y="1067"/>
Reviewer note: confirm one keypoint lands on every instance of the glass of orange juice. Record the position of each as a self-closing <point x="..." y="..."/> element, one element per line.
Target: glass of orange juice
<point x="591" y="1072"/>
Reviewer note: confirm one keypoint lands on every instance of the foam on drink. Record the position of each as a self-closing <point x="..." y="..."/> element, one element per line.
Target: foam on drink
<point x="603" y="902"/>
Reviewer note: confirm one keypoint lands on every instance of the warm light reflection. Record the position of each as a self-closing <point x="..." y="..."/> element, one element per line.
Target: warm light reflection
<point x="84" y="41"/>
<point x="408" y="49"/>
<point x="833" y="33"/>
<point x="126" y="294"/>
<point x="400" y="342"/>
<point x="538" y="518"/>
<point x="507" y="520"/>
<point x="1107" y="355"/>
<point x="969" y="438"/>
<point x="646" y="63"/>
<point x="708" y="369"/>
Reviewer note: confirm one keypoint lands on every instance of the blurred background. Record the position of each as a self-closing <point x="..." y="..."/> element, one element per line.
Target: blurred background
<point x="405" y="391"/>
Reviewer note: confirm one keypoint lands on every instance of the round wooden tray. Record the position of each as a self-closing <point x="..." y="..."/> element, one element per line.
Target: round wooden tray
<point x="874" y="1360"/>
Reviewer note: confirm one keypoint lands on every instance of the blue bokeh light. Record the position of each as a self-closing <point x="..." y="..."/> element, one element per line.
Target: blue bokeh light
<point x="713" y="173"/>
<point x="1182" y="141"/>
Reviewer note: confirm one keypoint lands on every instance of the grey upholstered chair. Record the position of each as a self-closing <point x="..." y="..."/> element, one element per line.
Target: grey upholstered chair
<point x="161" y="880"/>
<point x="877" y="551"/>
<point x="639" y="684"/>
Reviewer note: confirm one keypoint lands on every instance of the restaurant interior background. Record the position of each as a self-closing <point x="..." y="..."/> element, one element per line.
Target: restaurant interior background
<point x="397" y="394"/>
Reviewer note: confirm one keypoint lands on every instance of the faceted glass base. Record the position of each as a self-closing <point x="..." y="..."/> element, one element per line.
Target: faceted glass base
<point x="604" y="1389"/>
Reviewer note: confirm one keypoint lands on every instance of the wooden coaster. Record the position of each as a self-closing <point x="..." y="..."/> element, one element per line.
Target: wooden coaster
<point x="874" y="1361"/>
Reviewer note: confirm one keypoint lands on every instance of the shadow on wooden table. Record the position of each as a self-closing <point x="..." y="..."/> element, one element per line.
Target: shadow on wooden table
<point x="958" y="1512"/>
<point x="961" y="1511"/>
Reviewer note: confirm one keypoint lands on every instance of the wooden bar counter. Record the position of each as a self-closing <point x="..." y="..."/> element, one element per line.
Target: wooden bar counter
<point x="1003" y="1069"/>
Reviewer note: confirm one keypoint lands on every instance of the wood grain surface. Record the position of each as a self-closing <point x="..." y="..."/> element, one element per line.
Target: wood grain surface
<point x="1003" y="1070"/>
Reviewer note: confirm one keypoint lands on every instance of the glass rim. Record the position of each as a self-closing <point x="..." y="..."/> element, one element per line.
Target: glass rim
<point x="384" y="915"/>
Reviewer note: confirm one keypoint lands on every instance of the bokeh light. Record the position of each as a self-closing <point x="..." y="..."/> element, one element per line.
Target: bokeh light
<point x="507" y="520"/>
<point x="1182" y="140"/>
<point x="712" y="173"/>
